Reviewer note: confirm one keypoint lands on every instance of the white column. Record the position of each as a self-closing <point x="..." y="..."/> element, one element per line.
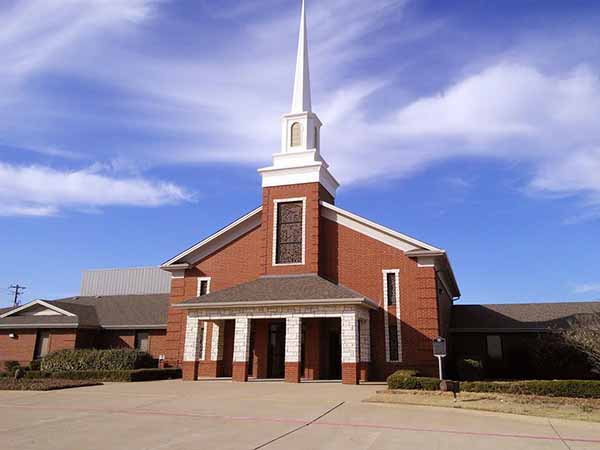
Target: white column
<point x="193" y="340"/>
<point x="241" y="342"/>
<point x="365" y="339"/>
<point x="216" y="348"/>
<point x="350" y="341"/>
<point x="293" y="339"/>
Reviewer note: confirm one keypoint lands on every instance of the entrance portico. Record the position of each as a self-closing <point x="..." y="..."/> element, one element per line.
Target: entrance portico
<point x="258" y="326"/>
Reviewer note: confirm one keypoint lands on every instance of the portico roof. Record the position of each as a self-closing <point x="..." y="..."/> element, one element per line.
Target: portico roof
<point x="286" y="290"/>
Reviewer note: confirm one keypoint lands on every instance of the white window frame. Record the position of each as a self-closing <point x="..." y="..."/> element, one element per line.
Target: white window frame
<point x="386" y="315"/>
<point x="275" y="210"/>
<point x="200" y="280"/>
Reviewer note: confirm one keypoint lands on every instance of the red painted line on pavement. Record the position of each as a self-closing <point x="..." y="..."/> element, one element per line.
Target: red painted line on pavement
<point x="325" y="423"/>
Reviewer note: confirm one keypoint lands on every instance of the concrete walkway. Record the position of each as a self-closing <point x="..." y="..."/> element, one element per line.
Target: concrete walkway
<point x="223" y="415"/>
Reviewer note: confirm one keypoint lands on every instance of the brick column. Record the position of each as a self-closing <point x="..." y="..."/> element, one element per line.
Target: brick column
<point x="350" y="346"/>
<point x="293" y="340"/>
<point x="241" y="349"/>
<point x="192" y="349"/>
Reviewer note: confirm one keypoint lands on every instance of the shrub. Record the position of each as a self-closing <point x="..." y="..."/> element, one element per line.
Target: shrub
<point x="110" y="375"/>
<point x="550" y="388"/>
<point x="469" y="369"/>
<point x="36" y="364"/>
<point x="398" y="380"/>
<point x="406" y="373"/>
<point x="11" y="366"/>
<point x="77" y="360"/>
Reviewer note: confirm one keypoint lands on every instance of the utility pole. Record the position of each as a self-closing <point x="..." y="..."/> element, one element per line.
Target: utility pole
<point x="18" y="290"/>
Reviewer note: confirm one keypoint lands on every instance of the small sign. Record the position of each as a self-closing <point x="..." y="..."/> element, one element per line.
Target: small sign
<point x="439" y="347"/>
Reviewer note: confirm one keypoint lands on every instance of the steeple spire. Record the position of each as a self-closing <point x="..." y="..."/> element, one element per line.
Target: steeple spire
<point x="300" y="161"/>
<point x="302" y="101"/>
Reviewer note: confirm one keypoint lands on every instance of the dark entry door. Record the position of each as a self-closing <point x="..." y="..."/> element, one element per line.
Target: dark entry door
<point x="335" y="355"/>
<point x="276" y="366"/>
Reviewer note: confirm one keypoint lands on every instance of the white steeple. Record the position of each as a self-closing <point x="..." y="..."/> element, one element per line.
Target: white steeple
<point x="300" y="158"/>
<point x="302" y="101"/>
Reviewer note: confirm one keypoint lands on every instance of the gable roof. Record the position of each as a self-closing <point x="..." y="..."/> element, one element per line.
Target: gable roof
<point x="522" y="317"/>
<point x="111" y="312"/>
<point x="41" y="303"/>
<point x="215" y="241"/>
<point x="281" y="289"/>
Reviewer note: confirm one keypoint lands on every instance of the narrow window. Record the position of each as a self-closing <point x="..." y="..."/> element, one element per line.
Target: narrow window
<point x="494" y="347"/>
<point x="201" y="340"/>
<point x="296" y="134"/>
<point x="203" y="286"/>
<point x="142" y="341"/>
<point x="391" y="288"/>
<point x="316" y="137"/>
<point x="393" y="340"/>
<point x="289" y="233"/>
<point x="42" y="344"/>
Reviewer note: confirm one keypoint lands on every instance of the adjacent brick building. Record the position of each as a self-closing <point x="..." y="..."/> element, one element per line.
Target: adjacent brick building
<point x="31" y="331"/>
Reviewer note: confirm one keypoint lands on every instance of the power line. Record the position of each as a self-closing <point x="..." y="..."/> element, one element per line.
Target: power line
<point x="18" y="291"/>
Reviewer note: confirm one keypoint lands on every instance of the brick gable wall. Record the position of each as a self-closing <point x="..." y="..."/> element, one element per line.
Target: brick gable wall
<point x="357" y="261"/>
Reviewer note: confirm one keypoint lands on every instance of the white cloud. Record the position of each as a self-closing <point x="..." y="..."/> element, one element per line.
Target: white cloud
<point x="43" y="191"/>
<point x="224" y="105"/>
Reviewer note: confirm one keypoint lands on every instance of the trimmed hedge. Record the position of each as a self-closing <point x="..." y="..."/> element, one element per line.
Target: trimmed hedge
<point x="110" y="375"/>
<point x="84" y="359"/>
<point x="400" y="380"/>
<point x="554" y="388"/>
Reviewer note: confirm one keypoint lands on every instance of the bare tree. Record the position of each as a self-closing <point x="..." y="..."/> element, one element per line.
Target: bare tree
<point x="584" y="335"/>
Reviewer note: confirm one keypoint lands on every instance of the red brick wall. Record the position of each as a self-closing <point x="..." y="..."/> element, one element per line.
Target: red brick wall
<point x="23" y="347"/>
<point x="313" y="192"/>
<point x="20" y="349"/>
<point x="126" y="339"/>
<point x="359" y="266"/>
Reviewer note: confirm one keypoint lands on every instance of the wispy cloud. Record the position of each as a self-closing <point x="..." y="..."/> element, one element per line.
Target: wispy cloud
<point x="223" y="106"/>
<point x="43" y="191"/>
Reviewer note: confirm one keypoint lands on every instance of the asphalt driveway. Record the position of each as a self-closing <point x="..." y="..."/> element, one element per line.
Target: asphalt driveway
<point x="222" y="415"/>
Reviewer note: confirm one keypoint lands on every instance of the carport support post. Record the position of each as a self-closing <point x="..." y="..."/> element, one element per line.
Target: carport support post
<point x="293" y="340"/>
<point x="241" y="349"/>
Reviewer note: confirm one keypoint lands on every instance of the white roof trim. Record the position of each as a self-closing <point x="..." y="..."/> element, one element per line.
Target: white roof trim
<point x="224" y="231"/>
<point x="40" y="303"/>
<point x="375" y="231"/>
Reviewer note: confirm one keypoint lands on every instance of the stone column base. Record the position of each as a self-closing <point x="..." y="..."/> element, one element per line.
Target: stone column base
<point x="350" y="373"/>
<point x="239" y="371"/>
<point x="292" y="372"/>
<point x="190" y="370"/>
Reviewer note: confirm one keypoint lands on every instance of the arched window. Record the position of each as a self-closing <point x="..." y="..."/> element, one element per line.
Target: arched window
<point x="296" y="135"/>
<point x="317" y="137"/>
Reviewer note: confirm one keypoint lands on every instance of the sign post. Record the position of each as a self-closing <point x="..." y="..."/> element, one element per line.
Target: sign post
<point x="439" y="351"/>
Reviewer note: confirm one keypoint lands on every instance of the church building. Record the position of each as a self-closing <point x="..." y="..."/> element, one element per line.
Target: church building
<point x="299" y="288"/>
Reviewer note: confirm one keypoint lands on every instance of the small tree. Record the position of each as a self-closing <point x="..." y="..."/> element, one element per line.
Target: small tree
<point x="584" y="335"/>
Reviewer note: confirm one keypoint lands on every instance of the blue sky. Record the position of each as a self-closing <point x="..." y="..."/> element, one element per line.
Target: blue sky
<point x="131" y="129"/>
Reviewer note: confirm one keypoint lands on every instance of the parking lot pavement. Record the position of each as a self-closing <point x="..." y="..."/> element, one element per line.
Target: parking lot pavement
<point x="180" y="415"/>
